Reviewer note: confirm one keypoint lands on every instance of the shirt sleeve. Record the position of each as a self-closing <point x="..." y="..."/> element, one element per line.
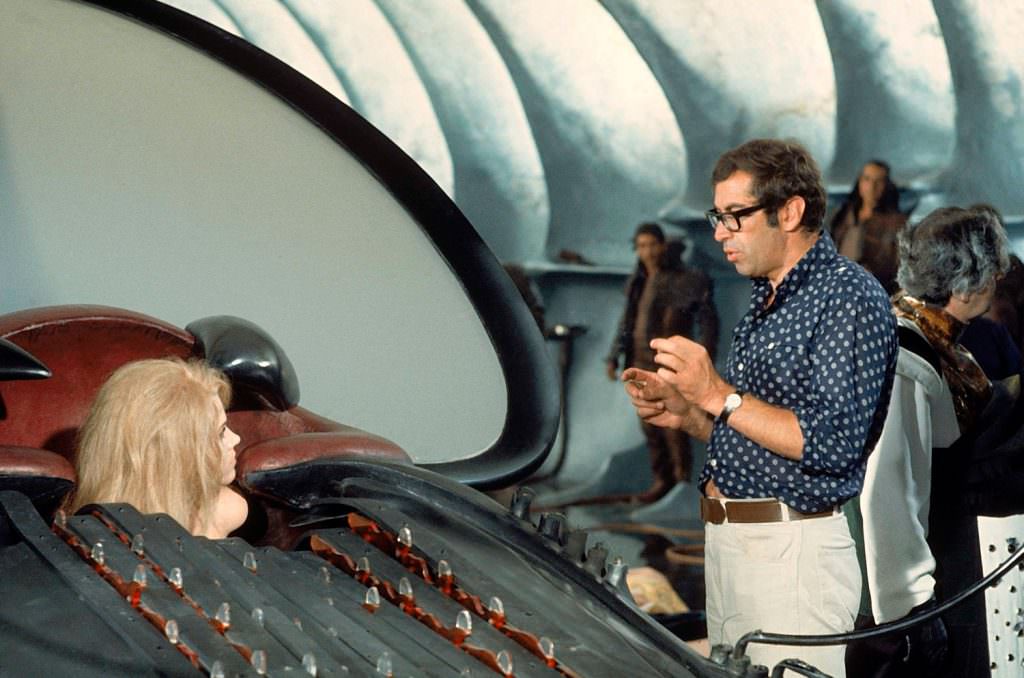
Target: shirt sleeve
<point x="618" y="346"/>
<point x="853" y="355"/>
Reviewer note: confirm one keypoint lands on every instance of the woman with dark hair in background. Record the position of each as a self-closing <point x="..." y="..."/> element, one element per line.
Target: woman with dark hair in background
<point x="866" y="225"/>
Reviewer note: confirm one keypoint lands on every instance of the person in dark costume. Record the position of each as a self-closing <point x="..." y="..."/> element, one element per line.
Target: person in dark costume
<point x="866" y="225"/>
<point x="663" y="298"/>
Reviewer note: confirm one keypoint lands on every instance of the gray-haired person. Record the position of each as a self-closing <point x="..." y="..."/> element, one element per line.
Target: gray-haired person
<point x="917" y="544"/>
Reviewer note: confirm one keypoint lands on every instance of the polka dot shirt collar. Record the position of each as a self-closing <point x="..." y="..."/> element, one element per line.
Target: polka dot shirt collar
<point x="822" y="250"/>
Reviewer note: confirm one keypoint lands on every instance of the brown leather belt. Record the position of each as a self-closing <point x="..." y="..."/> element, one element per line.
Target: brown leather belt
<point x="719" y="511"/>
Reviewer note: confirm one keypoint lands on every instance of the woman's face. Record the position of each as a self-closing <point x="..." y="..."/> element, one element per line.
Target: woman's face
<point x="227" y="439"/>
<point x="871" y="184"/>
<point x="649" y="250"/>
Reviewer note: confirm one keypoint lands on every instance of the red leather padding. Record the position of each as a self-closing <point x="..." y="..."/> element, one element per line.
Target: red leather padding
<point x="254" y="426"/>
<point x="27" y="461"/>
<point x="81" y="345"/>
<point x="350" y="443"/>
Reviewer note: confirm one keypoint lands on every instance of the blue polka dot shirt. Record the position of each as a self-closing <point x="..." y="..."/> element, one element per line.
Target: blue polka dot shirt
<point x="826" y="350"/>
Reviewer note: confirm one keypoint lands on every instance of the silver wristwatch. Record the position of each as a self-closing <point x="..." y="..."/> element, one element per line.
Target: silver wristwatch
<point x="732" y="403"/>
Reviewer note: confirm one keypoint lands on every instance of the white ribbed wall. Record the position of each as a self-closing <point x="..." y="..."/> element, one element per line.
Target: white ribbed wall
<point x="561" y="125"/>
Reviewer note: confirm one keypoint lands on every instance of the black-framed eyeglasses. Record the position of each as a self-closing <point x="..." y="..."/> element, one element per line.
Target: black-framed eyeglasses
<point x="731" y="220"/>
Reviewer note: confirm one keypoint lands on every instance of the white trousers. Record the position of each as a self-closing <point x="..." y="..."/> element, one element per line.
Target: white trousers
<point x="798" y="577"/>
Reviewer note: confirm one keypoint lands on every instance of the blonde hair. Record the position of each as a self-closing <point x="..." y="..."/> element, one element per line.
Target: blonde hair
<point x="152" y="439"/>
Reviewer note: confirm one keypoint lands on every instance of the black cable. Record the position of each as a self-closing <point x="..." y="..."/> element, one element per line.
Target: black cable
<point x="882" y="630"/>
<point x="797" y="666"/>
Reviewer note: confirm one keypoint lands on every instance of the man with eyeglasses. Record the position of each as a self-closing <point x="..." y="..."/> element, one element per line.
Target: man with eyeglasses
<point x="802" y="401"/>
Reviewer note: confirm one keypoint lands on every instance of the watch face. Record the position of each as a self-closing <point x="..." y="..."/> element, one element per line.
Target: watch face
<point x="732" y="401"/>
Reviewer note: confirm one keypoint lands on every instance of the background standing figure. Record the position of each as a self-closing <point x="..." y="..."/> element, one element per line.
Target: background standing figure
<point x="866" y="225"/>
<point x="157" y="438"/>
<point x="663" y="298"/>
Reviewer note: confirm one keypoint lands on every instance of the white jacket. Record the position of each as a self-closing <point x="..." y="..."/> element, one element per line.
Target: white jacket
<point x="897" y="487"/>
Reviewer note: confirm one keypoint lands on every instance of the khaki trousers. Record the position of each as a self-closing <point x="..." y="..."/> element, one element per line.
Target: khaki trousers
<point x="796" y="577"/>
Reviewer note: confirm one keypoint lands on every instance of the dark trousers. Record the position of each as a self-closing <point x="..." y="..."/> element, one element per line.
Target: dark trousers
<point x="918" y="652"/>
<point x="671" y="458"/>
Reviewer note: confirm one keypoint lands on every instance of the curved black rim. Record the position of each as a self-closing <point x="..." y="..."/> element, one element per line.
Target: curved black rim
<point x="531" y="420"/>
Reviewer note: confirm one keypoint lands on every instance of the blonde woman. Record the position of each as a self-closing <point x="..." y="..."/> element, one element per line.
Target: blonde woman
<point x="157" y="438"/>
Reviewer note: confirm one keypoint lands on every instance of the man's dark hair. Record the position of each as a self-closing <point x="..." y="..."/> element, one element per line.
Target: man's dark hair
<point x="780" y="170"/>
<point x="649" y="228"/>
